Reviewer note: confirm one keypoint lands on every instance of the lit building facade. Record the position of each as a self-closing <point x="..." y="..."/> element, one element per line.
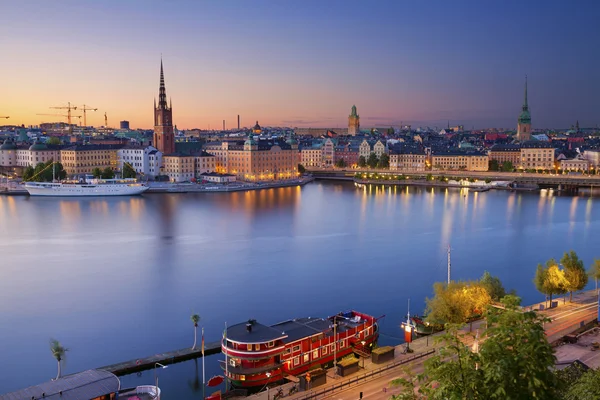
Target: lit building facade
<point x="537" y="155"/>
<point x="83" y="159"/>
<point x="506" y="153"/>
<point x="178" y="167"/>
<point x="312" y="156"/>
<point x="455" y="161"/>
<point x="409" y="160"/>
<point x="139" y="157"/>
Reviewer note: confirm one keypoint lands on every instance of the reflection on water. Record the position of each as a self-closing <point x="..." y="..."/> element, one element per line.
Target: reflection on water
<point x="76" y="269"/>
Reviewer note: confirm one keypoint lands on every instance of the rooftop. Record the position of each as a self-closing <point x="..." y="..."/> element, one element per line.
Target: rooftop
<point x="258" y="333"/>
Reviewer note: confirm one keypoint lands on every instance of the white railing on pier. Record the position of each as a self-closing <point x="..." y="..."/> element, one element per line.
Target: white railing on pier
<point x="153" y="391"/>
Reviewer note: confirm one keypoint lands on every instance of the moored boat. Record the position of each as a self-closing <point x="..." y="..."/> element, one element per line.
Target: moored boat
<point x="87" y="187"/>
<point x="257" y="354"/>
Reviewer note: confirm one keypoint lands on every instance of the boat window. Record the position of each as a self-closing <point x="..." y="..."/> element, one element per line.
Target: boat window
<point x="296" y="348"/>
<point x="315" y="354"/>
<point x="257" y="347"/>
<point x="271" y="344"/>
<point x="333" y="347"/>
<point x="296" y="360"/>
<point x="324" y="351"/>
<point x="249" y="346"/>
<point x="306" y="358"/>
<point x="343" y="343"/>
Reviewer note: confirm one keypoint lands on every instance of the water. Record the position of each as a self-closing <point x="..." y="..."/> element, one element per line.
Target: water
<point x="117" y="278"/>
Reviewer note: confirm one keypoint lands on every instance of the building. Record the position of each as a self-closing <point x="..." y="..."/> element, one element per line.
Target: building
<point x="312" y="156"/>
<point x="178" y="167"/>
<point x="353" y="122"/>
<point x="124" y="125"/>
<point x="459" y="161"/>
<point x="379" y="149"/>
<point x="139" y="157"/>
<point x="578" y="164"/>
<point x="164" y="137"/>
<point x="256" y="129"/>
<point x="506" y="153"/>
<point x="408" y="158"/>
<point x="319" y="132"/>
<point x="524" y="121"/>
<point x="537" y="155"/>
<point x="216" y="178"/>
<point x="328" y="150"/>
<point x="347" y="152"/>
<point x="256" y="159"/>
<point x="204" y="163"/>
<point x="593" y="156"/>
<point x="364" y="150"/>
<point x="83" y="159"/>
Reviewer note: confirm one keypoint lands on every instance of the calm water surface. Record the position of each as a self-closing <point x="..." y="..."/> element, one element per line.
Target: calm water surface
<point x="118" y="278"/>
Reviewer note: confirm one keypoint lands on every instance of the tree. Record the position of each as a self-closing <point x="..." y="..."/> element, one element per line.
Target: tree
<point x="457" y="302"/>
<point x="493" y="285"/>
<point x="97" y="173"/>
<point x="587" y="387"/>
<point x="384" y="161"/>
<point x="128" y="171"/>
<point x="108" y="173"/>
<point x="362" y="162"/>
<point x="58" y="351"/>
<point x="340" y="163"/>
<point x="53" y="141"/>
<point x="550" y="280"/>
<point x="493" y="165"/>
<point x="195" y="319"/>
<point x="595" y="271"/>
<point x="28" y="173"/>
<point x="514" y="362"/>
<point x="575" y="273"/>
<point x="507" y="166"/>
<point x="301" y="169"/>
<point x="372" y="161"/>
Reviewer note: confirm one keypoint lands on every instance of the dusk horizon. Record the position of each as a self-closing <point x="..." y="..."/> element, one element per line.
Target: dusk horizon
<point x="303" y="65"/>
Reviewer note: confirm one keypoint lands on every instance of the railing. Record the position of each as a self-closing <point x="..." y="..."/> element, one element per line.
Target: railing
<point x="357" y="379"/>
<point x="153" y="391"/>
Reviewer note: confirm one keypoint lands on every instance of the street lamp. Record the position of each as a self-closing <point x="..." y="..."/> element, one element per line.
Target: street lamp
<point x="268" y="378"/>
<point x="156" y="375"/>
<point x="363" y="345"/>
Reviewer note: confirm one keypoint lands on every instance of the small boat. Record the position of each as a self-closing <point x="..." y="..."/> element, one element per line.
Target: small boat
<point x="479" y="189"/>
<point x="423" y="328"/>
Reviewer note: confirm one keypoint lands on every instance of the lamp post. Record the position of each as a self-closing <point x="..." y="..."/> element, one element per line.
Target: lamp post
<point x="363" y="358"/>
<point x="156" y="375"/>
<point x="268" y="378"/>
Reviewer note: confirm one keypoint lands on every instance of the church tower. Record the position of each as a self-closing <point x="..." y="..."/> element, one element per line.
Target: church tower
<point x="353" y="123"/>
<point x="524" y="121"/>
<point x="164" y="138"/>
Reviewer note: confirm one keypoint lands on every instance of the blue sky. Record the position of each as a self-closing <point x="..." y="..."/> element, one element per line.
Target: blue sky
<point x="305" y="63"/>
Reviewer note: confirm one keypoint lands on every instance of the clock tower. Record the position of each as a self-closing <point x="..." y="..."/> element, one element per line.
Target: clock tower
<point x="524" y="121"/>
<point x="164" y="138"/>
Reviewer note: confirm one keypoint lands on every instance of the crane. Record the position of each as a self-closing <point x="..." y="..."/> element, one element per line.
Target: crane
<point x="5" y="117"/>
<point x="84" y="110"/>
<point x="64" y="115"/>
<point x="68" y="108"/>
<point x="105" y="121"/>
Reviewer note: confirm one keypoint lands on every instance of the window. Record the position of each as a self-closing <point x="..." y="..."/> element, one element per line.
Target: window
<point x="296" y="348"/>
<point x="257" y="347"/>
<point x="315" y="354"/>
<point x="296" y="360"/>
<point x="271" y="344"/>
<point x="306" y="358"/>
<point x="324" y="351"/>
<point x="333" y="347"/>
<point x="343" y="343"/>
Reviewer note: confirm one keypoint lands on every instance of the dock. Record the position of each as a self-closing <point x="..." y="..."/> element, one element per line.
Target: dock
<point x="170" y="357"/>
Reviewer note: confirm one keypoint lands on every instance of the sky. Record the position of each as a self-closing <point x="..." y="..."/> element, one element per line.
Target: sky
<point x="303" y="63"/>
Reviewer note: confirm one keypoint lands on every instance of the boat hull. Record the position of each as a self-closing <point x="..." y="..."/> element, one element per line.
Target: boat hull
<point x="85" y="190"/>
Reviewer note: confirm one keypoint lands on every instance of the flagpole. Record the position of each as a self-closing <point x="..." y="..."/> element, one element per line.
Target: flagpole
<point x="203" y="375"/>
<point x="226" y="361"/>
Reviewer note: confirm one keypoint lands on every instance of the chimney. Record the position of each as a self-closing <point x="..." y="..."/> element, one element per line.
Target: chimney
<point x="249" y="327"/>
<point x="223" y="124"/>
<point x="238" y="122"/>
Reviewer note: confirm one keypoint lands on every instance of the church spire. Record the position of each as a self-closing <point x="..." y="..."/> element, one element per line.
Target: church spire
<point x="162" y="93"/>
<point x="525" y="105"/>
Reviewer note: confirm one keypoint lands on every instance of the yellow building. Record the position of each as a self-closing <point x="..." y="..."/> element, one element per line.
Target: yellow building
<point x="204" y="163"/>
<point x="178" y="167"/>
<point x="409" y="160"/>
<point x="455" y="161"/>
<point x="537" y="155"/>
<point x="256" y="160"/>
<point x="506" y="153"/>
<point x="83" y="159"/>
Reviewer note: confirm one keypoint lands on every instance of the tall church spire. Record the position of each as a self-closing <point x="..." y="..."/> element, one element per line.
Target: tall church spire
<point x="525" y="105"/>
<point x="162" y="93"/>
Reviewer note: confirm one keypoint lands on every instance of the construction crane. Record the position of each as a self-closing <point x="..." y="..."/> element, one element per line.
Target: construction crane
<point x="105" y="121"/>
<point x="84" y="110"/>
<point x="68" y="108"/>
<point x="64" y="115"/>
<point x="5" y="117"/>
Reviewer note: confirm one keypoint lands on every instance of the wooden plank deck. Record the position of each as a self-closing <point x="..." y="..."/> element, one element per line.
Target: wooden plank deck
<point x="171" y="357"/>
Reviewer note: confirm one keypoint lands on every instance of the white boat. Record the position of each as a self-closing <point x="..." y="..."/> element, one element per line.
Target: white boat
<point x="87" y="187"/>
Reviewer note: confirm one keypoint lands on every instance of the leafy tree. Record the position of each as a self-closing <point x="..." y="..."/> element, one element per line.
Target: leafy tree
<point x="507" y="166"/>
<point x="575" y="273"/>
<point x="595" y="271"/>
<point x="384" y="161"/>
<point x="108" y="173"/>
<point x="58" y="351"/>
<point x="128" y="171"/>
<point x="301" y="169"/>
<point x="195" y="319"/>
<point x="97" y="173"/>
<point x="493" y="285"/>
<point x="362" y="162"/>
<point x="457" y="302"/>
<point x="550" y="280"/>
<point x="340" y="163"/>
<point x="568" y="376"/>
<point x="28" y="173"/>
<point x="372" y="161"/>
<point x="53" y="141"/>
<point x="587" y="387"/>
<point x="493" y="165"/>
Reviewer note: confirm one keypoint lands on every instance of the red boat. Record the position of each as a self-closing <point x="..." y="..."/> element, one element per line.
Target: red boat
<point x="257" y="354"/>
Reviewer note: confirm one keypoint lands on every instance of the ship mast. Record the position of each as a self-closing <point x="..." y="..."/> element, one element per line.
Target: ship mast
<point x="448" y="264"/>
<point x="53" y="172"/>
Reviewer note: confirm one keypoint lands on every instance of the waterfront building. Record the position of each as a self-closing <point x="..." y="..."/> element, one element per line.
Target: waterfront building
<point x="139" y="158"/>
<point x="506" y="153"/>
<point x="256" y="159"/>
<point x="364" y="150"/>
<point x="537" y="155"/>
<point x="164" y="137"/>
<point x="524" y="120"/>
<point x="216" y="177"/>
<point x="459" y="161"/>
<point x="347" y="152"/>
<point x="579" y="163"/>
<point x="83" y="159"/>
<point x="408" y="158"/>
<point x="312" y="156"/>
<point x="328" y="153"/>
<point x="353" y="122"/>
<point x="204" y="163"/>
<point x="593" y="156"/>
<point x="8" y="154"/>
<point x="178" y="167"/>
<point x="379" y="149"/>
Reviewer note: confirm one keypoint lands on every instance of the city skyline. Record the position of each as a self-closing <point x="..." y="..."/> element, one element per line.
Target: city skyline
<point x="304" y="65"/>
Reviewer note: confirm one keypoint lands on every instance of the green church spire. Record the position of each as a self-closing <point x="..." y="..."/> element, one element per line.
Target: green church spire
<point x="525" y="116"/>
<point x="525" y="106"/>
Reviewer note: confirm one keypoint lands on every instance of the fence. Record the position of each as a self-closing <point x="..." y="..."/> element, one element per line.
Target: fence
<point x="355" y="380"/>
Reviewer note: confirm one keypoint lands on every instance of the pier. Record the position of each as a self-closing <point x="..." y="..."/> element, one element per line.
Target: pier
<point x="170" y="357"/>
